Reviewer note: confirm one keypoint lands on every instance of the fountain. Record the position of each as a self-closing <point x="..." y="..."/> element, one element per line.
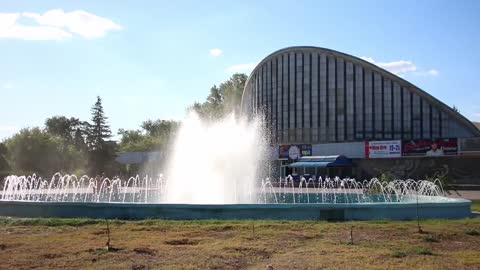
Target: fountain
<point x="211" y="174"/>
<point x="215" y="163"/>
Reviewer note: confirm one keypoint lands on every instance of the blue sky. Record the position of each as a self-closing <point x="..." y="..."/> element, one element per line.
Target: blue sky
<point x="151" y="59"/>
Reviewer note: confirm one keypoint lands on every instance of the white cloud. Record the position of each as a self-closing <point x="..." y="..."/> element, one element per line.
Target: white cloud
<point x="10" y="28"/>
<point x="80" y="22"/>
<point x="399" y="67"/>
<point x="402" y="67"/>
<point x="55" y="24"/>
<point x="215" y="51"/>
<point x="241" y="68"/>
<point x="430" y="72"/>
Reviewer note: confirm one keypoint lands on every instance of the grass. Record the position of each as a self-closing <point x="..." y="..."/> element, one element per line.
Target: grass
<point x="423" y="251"/>
<point x="399" y="254"/>
<point x="472" y="232"/>
<point x="431" y="238"/>
<point x="49" y="222"/>
<point x="476" y="205"/>
<point x="232" y="244"/>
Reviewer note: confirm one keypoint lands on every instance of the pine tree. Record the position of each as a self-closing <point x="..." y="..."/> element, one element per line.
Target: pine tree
<point x="99" y="130"/>
<point x="100" y="151"/>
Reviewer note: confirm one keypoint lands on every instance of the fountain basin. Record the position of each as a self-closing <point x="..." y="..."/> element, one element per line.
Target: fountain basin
<point x="446" y="208"/>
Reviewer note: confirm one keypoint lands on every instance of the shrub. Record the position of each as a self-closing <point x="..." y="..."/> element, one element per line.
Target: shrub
<point x="431" y="238"/>
<point x="472" y="232"/>
<point x="423" y="251"/>
<point x="399" y="254"/>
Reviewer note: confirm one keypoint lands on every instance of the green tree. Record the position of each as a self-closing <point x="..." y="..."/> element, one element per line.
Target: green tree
<point x="98" y="130"/>
<point x="80" y="137"/>
<point x="232" y="91"/>
<point x="215" y="97"/>
<point x="71" y="131"/>
<point x="134" y="140"/>
<point x="101" y="151"/>
<point x="222" y="100"/>
<point x="4" y="167"/>
<point x="155" y="135"/>
<point x="160" y="128"/>
<point x="62" y="127"/>
<point x="36" y="151"/>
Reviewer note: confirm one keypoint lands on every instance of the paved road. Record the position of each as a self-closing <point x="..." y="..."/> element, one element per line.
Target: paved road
<point x="466" y="194"/>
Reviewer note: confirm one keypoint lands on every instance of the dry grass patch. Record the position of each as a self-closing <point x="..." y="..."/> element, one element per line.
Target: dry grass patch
<point x="182" y="242"/>
<point x="160" y="244"/>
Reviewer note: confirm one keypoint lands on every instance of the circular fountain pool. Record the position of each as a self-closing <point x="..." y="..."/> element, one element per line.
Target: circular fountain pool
<point x="147" y="197"/>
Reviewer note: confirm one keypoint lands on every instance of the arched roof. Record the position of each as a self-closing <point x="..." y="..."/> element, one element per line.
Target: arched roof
<point x="442" y="106"/>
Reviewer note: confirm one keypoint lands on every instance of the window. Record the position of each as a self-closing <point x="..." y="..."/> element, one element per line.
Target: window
<point x="397" y="111"/>
<point x="416" y="118"/>
<point x="331" y="96"/>
<point x="350" y="101"/>
<point x="368" y="105"/>
<point x="426" y="119"/>
<point x="378" y="106"/>
<point x="359" y="106"/>
<point x="323" y="98"/>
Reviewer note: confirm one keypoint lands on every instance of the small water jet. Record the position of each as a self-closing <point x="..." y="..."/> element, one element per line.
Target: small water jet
<point x="70" y="188"/>
<point x="148" y="197"/>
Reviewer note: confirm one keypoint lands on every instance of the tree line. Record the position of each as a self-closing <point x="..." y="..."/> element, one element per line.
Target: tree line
<point x="71" y="145"/>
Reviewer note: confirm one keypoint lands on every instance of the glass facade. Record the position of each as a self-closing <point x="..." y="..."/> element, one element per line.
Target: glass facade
<point x="316" y="96"/>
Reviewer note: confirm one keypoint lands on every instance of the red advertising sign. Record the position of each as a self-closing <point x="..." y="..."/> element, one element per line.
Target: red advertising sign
<point x="432" y="148"/>
<point x="383" y="149"/>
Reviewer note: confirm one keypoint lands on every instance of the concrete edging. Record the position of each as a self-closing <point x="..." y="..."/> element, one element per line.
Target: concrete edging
<point x="456" y="208"/>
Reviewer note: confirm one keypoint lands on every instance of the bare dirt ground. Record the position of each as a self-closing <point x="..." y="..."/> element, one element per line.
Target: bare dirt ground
<point x="158" y="244"/>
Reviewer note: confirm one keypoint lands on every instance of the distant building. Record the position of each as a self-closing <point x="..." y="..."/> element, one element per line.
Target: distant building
<point x="137" y="157"/>
<point x="148" y="163"/>
<point x="320" y="102"/>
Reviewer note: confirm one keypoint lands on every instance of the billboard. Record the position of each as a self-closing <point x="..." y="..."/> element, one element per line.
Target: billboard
<point x="294" y="151"/>
<point x="432" y="148"/>
<point x="383" y="149"/>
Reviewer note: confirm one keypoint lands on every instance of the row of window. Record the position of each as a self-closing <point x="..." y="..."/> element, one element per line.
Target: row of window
<point x="315" y="97"/>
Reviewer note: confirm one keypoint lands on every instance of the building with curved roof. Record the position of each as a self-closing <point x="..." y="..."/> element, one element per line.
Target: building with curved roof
<point x="336" y="102"/>
<point x="315" y="95"/>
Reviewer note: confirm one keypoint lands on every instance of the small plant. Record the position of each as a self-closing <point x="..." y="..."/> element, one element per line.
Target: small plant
<point x="386" y="176"/>
<point x="399" y="254"/>
<point x="351" y="235"/>
<point x="431" y="239"/>
<point x="418" y="218"/>
<point x="423" y="251"/>
<point x="107" y="245"/>
<point x="253" y="230"/>
<point x="472" y="232"/>
<point x="182" y="242"/>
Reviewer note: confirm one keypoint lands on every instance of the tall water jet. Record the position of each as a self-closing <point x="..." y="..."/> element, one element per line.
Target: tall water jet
<point x="215" y="162"/>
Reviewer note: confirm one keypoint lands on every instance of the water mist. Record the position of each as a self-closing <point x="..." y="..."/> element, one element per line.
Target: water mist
<point x="215" y="162"/>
